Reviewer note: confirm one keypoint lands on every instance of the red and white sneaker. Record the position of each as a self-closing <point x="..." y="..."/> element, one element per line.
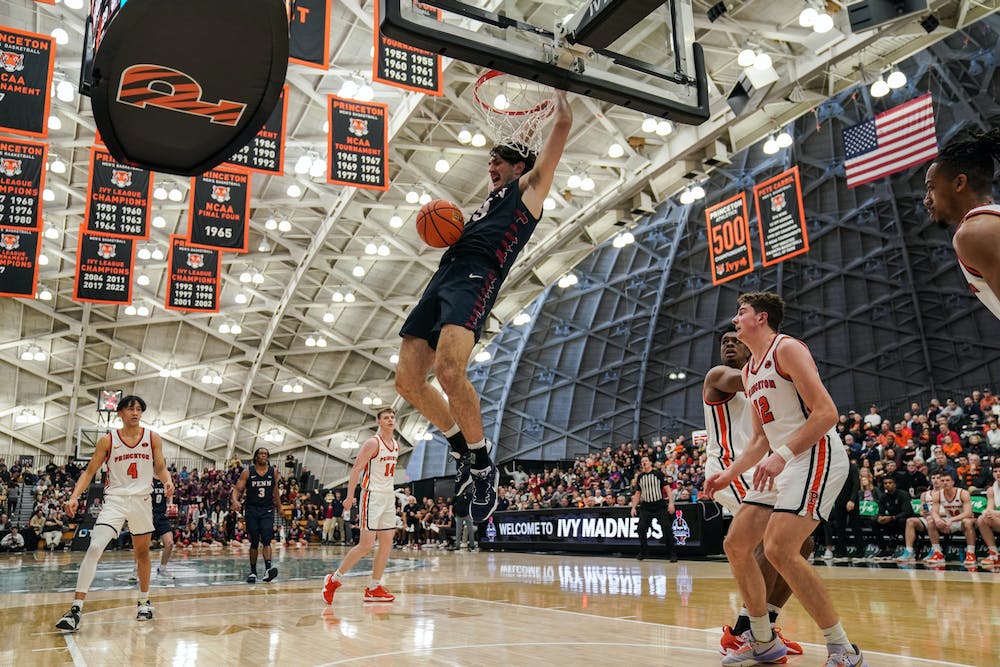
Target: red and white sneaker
<point x="992" y="560"/>
<point x="970" y="559"/>
<point x="935" y="557"/>
<point x="330" y="586"/>
<point x="378" y="594"/>
<point x="729" y="641"/>
<point x="794" y="648"/>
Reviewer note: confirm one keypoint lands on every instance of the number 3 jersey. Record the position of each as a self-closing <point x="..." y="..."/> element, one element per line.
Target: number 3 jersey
<point x="130" y="466"/>
<point x="382" y="467"/>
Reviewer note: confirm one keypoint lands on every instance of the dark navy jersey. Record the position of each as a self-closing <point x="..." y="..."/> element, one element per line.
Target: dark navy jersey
<point x="497" y="232"/>
<point x="159" y="495"/>
<point x="260" y="488"/>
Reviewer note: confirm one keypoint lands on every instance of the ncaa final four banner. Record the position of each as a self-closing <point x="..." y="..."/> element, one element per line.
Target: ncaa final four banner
<point x="22" y="178"/>
<point x="117" y="197"/>
<point x="358" y="154"/>
<point x="220" y="210"/>
<point x="266" y="151"/>
<point x="26" y="64"/>
<point x="781" y="217"/>
<point x="729" y="239"/>
<point x="195" y="278"/>
<point x="104" y="268"/>
<point x="405" y="66"/>
<point x="19" y="261"/>
<point x="309" y="33"/>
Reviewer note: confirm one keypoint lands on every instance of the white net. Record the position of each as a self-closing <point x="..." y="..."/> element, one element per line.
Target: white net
<point x="515" y="109"/>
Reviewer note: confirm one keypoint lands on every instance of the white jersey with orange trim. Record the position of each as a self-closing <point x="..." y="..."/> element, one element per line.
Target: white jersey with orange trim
<point x="381" y="468"/>
<point x="729" y="429"/>
<point x="996" y="495"/>
<point x="130" y="466"/>
<point x="975" y="279"/>
<point x="949" y="509"/>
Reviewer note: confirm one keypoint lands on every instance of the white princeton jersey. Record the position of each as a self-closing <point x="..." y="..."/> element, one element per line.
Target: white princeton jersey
<point x="729" y="427"/>
<point x="381" y="469"/>
<point x="130" y="466"/>
<point x="975" y="279"/>
<point x="950" y="508"/>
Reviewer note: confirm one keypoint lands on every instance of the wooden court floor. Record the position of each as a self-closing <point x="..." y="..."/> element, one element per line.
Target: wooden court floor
<point x="474" y="609"/>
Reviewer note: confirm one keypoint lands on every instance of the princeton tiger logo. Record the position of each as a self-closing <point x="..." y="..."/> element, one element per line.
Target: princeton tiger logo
<point x="144" y="85"/>
<point x="10" y="166"/>
<point x="11" y="62"/>
<point x="10" y="242"/>
<point x="106" y="250"/>
<point x="358" y="127"/>
<point x="196" y="260"/>
<point x="121" y="178"/>
<point x="220" y="193"/>
<point x="778" y="202"/>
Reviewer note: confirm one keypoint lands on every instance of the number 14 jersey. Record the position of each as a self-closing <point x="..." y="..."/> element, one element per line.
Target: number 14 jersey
<point x="382" y="468"/>
<point x="130" y="466"/>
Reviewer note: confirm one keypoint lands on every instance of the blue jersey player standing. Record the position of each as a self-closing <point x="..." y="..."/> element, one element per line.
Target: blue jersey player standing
<point x="260" y="480"/>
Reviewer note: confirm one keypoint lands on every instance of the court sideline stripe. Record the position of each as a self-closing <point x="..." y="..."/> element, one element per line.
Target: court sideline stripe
<point x="74" y="650"/>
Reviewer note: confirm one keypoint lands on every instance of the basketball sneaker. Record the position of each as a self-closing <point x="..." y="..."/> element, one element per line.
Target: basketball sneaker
<point x="272" y="574"/>
<point x="906" y="555"/>
<point x="753" y="652"/>
<point x="841" y="658"/>
<point x="252" y="578"/>
<point x="134" y="577"/>
<point x="463" y="475"/>
<point x="992" y="560"/>
<point x="70" y="621"/>
<point x="161" y="571"/>
<point x="484" y="489"/>
<point x="935" y="556"/>
<point x="330" y="586"/>
<point x="970" y="559"/>
<point x="378" y="594"/>
<point x="144" y="611"/>
<point x="731" y="642"/>
<point x="794" y="648"/>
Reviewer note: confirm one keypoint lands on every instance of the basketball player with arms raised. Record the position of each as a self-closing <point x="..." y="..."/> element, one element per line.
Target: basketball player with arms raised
<point x="792" y="413"/>
<point x="376" y="466"/>
<point x="959" y="187"/>
<point x="133" y="454"/>
<point x="261" y="481"/>
<point x="446" y="323"/>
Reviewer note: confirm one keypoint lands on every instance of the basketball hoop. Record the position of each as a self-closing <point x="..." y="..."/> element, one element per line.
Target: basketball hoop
<point x="514" y="109"/>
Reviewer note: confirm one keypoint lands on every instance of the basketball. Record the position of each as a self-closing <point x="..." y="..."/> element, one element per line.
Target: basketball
<point x="440" y="223"/>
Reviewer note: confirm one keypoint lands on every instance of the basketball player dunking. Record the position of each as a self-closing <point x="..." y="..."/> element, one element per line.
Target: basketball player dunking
<point x="792" y="412"/>
<point x="377" y="518"/>
<point x="446" y="323"/>
<point x="133" y="454"/>
<point x="261" y="481"/>
<point x="729" y="426"/>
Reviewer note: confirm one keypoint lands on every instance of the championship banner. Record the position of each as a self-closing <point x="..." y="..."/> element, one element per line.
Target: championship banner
<point x="309" y="33"/>
<point x="117" y="197"/>
<point x="104" y="268"/>
<point x="22" y="178"/>
<point x="195" y="279"/>
<point x="219" y="216"/>
<point x="266" y="151"/>
<point x="26" y="64"/>
<point x="729" y="239"/>
<point x="405" y="66"/>
<point x="358" y="152"/>
<point x="19" y="261"/>
<point x="781" y="218"/>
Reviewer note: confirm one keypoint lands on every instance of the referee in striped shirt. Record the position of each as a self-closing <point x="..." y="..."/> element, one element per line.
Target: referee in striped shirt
<point x="652" y="501"/>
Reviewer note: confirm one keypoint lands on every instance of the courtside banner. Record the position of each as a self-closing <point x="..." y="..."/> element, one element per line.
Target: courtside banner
<point x="781" y="217"/>
<point x="220" y="210"/>
<point x="26" y="63"/>
<point x="22" y="178"/>
<point x="117" y="197"/>
<point x="309" y="33"/>
<point x="358" y="152"/>
<point x="104" y="268"/>
<point x="194" y="281"/>
<point x="266" y="151"/>
<point x="19" y="261"/>
<point x="729" y="239"/>
<point x="406" y="66"/>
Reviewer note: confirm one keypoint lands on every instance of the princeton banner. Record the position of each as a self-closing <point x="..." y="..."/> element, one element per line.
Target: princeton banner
<point x="266" y="151"/>
<point x="22" y="179"/>
<point x="358" y="152"/>
<point x="309" y="33"/>
<point x="406" y="66"/>
<point x="26" y="64"/>
<point x="117" y="197"/>
<point x="781" y="217"/>
<point x="195" y="278"/>
<point x="220" y="210"/>
<point x="19" y="250"/>
<point x="104" y="267"/>
<point x="729" y="239"/>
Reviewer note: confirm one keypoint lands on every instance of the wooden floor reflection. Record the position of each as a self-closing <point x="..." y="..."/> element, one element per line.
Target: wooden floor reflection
<point x="476" y="609"/>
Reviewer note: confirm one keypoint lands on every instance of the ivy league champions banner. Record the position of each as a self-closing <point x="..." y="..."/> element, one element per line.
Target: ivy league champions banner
<point x="781" y="218"/>
<point x="220" y="210"/>
<point x="19" y="250"/>
<point x="26" y="61"/>
<point x="22" y="178"/>
<point x="358" y="152"/>
<point x="194" y="281"/>
<point x="266" y="151"/>
<point x="104" y="268"/>
<point x="118" y="197"/>
<point x="309" y="33"/>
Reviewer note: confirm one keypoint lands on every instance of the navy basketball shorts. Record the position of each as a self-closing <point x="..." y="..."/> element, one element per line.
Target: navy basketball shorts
<point x="260" y="524"/>
<point x="161" y="525"/>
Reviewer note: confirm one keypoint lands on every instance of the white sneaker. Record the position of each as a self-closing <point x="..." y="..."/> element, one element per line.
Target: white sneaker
<point x="827" y="555"/>
<point x="134" y="577"/>
<point x="144" y="611"/>
<point x="163" y="573"/>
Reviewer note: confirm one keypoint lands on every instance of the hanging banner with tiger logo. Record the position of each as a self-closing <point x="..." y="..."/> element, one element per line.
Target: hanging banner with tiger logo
<point x="195" y="279"/>
<point x="266" y="151"/>
<point x="358" y="152"/>
<point x="26" y="64"/>
<point x="781" y="217"/>
<point x="117" y="197"/>
<point x="19" y="250"/>
<point x="22" y="179"/>
<point x="104" y="267"/>
<point x="219" y="216"/>
<point x="729" y="239"/>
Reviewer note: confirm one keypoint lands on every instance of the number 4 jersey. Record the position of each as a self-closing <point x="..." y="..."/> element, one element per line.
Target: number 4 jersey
<point x="130" y="465"/>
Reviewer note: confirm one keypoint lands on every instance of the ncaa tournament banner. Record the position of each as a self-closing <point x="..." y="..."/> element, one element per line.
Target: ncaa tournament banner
<point x="729" y="239"/>
<point x="22" y="178"/>
<point x="358" y="152"/>
<point x="26" y="63"/>
<point x="220" y="210"/>
<point x="406" y="66"/>
<point x="19" y="261"/>
<point x="104" y="268"/>
<point x="195" y="279"/>
<point x="117" y="197"/>
<point x="309" y="33"/>
<point x="266" y="151"/>
<point x="781" y="217"/>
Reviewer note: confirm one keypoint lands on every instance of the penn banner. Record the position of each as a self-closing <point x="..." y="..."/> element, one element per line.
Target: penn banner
<point x="309" y="33"/>
<point x="405" y="66"/>
<point x="358" y="152"/>
<point x="19" y="250"/>
<point x="195" y="278"/>
<point x="117" y="197"/>
<point x="266" y="151"/>
<point x="729" y="239"/>
<point x="781" y="217"/>
<point x="220" y="210"/>
<point x="104" y="268"/>
<point x="26" y="65"/>
<point x="22" y="179"/>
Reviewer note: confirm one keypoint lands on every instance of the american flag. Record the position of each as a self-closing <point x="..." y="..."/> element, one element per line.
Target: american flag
<point x="895" y="140"/>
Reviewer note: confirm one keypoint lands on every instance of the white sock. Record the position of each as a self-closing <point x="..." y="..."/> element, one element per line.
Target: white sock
<point x="452" y="431"/>
<point x="78" y="604"/>
<point x="337" y="575"/>
<point x="836" y="635"/>
<point x="143" y="596"/>
<point x="376" y="583"/>
<point x="970" y="549"/>
<point x="761" y="628"/>
<point x="478" y="445"/>
<point x="936" y="547"/>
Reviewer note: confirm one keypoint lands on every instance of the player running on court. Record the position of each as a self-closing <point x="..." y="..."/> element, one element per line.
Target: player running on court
<point x="261" y="481"/>
<point x="162" y="530"/>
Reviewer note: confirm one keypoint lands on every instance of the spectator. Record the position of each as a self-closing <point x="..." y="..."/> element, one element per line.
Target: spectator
<point x="52" y="529"/>
<point x="933" y="410"/>
<point x="912" y="480"/>
<point x="844" y="515"/>
<point x="952" y="412"/>
<point x="894" y="509"/>
<point x="945" y="431"/>
<point x="13" y="542"/>
<point x="942" y="466"/>
<point x="873" y="418"/>
<point x="993" y="435"/>
<point x="987" y="402"/>
<point x="952" y="447"/>
<point x="971" y="409"/>
<point x="973" y="476"/>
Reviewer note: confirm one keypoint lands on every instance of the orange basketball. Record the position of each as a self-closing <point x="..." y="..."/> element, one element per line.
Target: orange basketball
<point x="440" y="223"/>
